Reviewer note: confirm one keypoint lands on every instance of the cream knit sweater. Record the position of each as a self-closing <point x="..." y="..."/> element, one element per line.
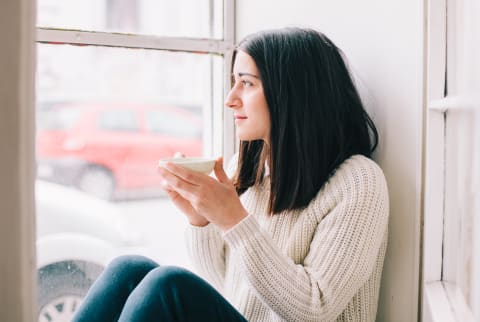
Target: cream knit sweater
<point x="322" y="263"/>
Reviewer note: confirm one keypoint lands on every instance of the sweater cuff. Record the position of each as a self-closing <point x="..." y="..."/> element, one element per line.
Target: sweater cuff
<point x="243" y="232"/>
<point x="201" y="232"/>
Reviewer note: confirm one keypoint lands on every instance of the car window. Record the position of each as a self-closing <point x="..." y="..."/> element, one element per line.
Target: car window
<point x="58" y="119"/>
<point x="175" y="124"/>
<point x="118" y="120"/>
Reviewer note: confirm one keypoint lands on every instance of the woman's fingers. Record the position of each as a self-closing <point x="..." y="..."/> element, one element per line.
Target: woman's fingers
<point x="190" y="176"/>
<point x="219" y="172"/>
<point x="184" y="206"/>
<point x="183" y="194"/>
<point x="184" y="187"/>
<point x="175" y="180"/>
<point x="178" y="200"/>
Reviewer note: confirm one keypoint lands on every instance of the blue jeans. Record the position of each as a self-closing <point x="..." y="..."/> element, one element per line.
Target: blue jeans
<point x="134" y="289"/>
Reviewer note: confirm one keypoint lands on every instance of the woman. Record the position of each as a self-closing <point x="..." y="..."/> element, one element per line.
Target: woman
<point x="299" y="233"/>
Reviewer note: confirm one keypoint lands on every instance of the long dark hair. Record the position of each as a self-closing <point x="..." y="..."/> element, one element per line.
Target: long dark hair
<point x="316" y="114"/>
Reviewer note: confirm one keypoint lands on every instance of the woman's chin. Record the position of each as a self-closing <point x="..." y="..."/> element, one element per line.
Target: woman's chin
<point x="246" y="137"/>
<point x="249" y="137"/>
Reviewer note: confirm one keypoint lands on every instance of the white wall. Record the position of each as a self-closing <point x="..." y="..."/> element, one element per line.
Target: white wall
<point x="384" y="43"/>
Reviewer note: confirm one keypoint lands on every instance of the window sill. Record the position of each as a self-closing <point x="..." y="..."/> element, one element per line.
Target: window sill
<point x="442" y="305"/>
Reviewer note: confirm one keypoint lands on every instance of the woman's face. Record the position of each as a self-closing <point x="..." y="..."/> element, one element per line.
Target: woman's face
<point x="246" y="98"/>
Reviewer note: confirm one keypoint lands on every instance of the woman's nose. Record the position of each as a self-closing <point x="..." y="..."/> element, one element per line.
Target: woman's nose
<point x="232" y="100"/>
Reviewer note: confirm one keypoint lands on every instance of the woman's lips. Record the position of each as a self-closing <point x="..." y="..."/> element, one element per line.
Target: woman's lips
<point x="240" y="117"/>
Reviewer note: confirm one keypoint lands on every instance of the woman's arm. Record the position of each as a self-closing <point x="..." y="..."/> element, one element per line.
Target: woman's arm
<point x="206" y="247"/>
<point x="342" y="256"/>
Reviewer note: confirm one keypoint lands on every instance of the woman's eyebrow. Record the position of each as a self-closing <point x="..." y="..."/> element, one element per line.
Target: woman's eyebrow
<point x="246" y="74"/>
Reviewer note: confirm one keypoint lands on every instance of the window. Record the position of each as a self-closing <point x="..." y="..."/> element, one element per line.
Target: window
<point x="181" y="18"/>
<point x="163" y="122"/>
<point x="60" y="119"/>
<point x="120" y="84"/>
<point x="452" y="229"/>
<point x="118" y="120"/>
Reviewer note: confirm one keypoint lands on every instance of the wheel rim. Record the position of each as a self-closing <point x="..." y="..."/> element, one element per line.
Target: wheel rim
<point x="98" y="183"/>
<point x="61" y="309"/>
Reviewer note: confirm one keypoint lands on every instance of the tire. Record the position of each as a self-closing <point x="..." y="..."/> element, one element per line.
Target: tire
<point x="97" y="181"/>
<point x="61" y="288"/>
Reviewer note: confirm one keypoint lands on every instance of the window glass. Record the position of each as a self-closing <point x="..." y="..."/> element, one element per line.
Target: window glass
<point x="57" y="120"/>
<point x="169" y="123"/>
<point x="181" y="18"/>
<point x="118" y="120"/>
<point x="106" y="116"/>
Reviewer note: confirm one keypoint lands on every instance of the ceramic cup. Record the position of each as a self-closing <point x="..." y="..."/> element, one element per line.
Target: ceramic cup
<point x="198" y="164"/>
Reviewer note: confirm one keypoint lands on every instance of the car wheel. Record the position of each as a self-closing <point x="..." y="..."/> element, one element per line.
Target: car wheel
<point x="61" y="309"/>
<point x="61" y="290"/>
<point x="98" y="182"/>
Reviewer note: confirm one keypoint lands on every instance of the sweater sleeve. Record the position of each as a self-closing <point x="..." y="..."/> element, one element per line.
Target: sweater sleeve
<point x="342" y="254"/>
<point x="206" y="247"/>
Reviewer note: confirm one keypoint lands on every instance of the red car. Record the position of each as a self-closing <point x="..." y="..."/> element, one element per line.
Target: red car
<point x="112" y="150"/>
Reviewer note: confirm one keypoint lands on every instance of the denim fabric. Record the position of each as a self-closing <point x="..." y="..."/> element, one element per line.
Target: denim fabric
<point x="134" y="289"/>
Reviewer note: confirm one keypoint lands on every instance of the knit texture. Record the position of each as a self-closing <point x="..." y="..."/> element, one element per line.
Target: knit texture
<point x="321" y="263"/>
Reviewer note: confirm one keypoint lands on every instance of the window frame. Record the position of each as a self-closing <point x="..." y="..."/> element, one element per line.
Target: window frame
<point x="442" y="299"/>
<point x="17" y="62"/>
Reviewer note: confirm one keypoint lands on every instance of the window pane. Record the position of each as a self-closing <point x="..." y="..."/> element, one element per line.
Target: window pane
<point x="104" y="118"/>
<point x="181" y="18"/>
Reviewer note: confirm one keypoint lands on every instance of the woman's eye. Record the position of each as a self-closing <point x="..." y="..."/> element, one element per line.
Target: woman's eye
<point x="246" y="83"/>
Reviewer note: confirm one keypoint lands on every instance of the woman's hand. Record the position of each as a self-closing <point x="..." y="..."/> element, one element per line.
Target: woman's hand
<point x="201" y="196"/>
<point x="193" y="217"/>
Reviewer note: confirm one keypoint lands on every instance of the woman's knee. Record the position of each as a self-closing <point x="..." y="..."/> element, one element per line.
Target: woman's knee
<point x="168" y="278"/>
<point x="130" y="265"/>
<point x="132" y="261"/>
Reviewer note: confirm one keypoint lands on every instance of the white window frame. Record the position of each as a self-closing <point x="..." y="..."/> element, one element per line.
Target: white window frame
<point x="442" y="300"/>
